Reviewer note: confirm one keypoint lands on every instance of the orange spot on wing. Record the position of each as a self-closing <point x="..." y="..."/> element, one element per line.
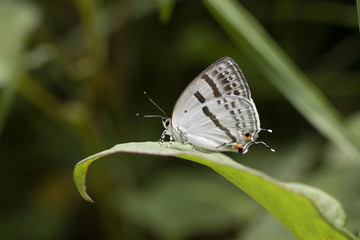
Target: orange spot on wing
<point x="247" y="136"/>
<point x="237" y="146"/>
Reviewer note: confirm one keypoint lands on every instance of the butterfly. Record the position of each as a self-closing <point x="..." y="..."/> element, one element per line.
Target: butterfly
<point x="215" y="112"/>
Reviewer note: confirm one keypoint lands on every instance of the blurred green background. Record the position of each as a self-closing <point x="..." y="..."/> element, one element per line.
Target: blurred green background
<point x="72" y="76"/>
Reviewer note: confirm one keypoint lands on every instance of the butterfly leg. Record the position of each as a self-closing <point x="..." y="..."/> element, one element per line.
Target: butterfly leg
<point x="192" y="148"/>
<point x="162" y="138"/>
<point x="171" y="139"/>
<point x="187" y="142"/>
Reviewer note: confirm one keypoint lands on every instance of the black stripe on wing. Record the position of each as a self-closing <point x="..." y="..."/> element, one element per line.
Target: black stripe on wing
<point x="213" y="118"/>
<point x="226" y="78"/>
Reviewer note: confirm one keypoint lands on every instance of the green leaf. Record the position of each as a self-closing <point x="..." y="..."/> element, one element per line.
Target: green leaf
<point x="272" y="61"/>
<point x="307" y="212"/>
<point x="165" y="10"/>
<point x="17" y="21"/>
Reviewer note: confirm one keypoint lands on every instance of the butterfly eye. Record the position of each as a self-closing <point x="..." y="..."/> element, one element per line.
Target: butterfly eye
<point x="166" y="122"/>
<point x="247" y="136"/>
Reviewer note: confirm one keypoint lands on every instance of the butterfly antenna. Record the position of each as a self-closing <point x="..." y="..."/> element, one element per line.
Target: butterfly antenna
<point x="261" y="142"/>
<point x="149" y="116"/>
<point x="155" y="104"/>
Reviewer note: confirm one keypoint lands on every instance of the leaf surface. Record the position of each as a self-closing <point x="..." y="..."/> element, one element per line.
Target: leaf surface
<point x="307" y="212"/>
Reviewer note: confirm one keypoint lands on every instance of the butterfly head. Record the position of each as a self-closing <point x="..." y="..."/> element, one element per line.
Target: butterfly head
<point x="166" y="122"/>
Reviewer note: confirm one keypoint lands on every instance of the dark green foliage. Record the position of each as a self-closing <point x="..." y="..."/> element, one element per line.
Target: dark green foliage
<point x="72" y="75"/>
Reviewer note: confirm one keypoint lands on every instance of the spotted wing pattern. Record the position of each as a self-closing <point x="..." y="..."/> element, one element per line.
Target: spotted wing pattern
<point x="222" y="78"/>
<point x="218" y="124"/>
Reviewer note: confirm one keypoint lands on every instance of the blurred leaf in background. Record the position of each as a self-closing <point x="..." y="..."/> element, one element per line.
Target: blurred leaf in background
<point x="72" y="77"/>
<point x="18" y="20"/>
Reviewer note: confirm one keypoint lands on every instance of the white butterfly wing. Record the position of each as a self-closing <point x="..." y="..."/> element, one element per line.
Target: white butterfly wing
<point x="218" y="124"/>
<point x="222" y="78"/>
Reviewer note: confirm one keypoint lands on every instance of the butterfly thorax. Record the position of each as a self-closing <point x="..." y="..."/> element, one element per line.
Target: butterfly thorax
<point x="174" y="133"/>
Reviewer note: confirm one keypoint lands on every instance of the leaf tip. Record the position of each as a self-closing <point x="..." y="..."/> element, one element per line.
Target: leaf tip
<point x="85" y="195"/>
